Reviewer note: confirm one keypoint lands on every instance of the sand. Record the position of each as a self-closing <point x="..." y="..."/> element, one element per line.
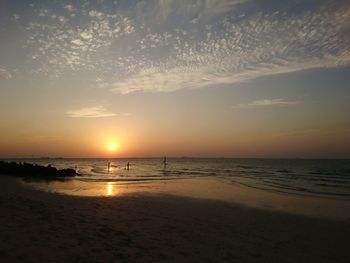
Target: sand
<point x="36" y="226"/>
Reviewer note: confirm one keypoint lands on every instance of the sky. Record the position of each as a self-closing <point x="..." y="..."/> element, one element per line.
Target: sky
<point x="206" y="78"/>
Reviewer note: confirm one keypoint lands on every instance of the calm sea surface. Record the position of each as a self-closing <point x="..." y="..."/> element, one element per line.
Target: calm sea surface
<point x="328" y="178"/>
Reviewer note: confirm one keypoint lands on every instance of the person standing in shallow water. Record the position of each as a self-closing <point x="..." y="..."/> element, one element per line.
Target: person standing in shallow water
<point x="165" y="162"/>
<point x="128" y="166"/>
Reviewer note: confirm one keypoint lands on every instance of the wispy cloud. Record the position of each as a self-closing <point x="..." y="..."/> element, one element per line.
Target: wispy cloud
<point x="4" y="73"/>
<point x="90" y="112"/>
<point x="189" y="10"/>
<point x="265" y="103"/>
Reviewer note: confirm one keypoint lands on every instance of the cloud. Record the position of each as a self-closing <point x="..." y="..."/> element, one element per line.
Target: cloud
<point x="62" y="19"/>
<point x="43" y="12"/>
<point x="69" y="8"/>
<point x="94" y="13"/>
<point x="16" y="17"/>
<point x="189" y="10"/>
<point x="244" y="48"/>
<point x="4" y="73"/>
<point x="166" y="45"/>
<point x="90" y="112"/>
<point x="58" y="47"/>
<point x="265" y="103"/>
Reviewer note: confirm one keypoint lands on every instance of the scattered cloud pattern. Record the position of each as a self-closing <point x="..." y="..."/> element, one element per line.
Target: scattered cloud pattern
<point x="265" y="103"/>
<point x="4" y="73"/>
<point x="163" y="46"/>
<point x="90" y="112"/>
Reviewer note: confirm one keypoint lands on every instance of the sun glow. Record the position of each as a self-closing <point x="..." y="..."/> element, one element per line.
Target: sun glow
<point x="112" y="147"/>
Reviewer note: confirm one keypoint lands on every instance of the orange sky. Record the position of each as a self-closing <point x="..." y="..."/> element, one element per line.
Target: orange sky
<point x="176" y="78"/>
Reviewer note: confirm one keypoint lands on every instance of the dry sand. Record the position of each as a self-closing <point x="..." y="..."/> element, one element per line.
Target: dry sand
<point x="36" y="226"/>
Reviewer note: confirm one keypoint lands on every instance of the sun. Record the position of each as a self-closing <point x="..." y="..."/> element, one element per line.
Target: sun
<point x="112" y="147"/>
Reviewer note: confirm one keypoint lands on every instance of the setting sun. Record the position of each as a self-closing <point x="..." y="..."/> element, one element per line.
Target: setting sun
<point x="112" y="147"/>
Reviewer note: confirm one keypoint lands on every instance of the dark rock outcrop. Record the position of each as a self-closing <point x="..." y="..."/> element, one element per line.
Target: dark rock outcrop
<point x="34" y="170"/>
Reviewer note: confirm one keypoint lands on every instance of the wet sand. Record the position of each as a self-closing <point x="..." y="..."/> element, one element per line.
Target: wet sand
<point x="36" y="226"/>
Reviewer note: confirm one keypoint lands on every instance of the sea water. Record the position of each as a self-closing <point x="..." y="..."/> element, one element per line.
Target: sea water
<point x="322" y="178"/>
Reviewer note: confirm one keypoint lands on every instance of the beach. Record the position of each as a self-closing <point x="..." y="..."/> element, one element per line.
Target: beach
<point x="38" y="226"/>
<point x="206" y="131"/>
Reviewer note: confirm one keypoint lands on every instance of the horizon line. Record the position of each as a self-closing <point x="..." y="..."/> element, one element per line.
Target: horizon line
<point x="177" y="157"/>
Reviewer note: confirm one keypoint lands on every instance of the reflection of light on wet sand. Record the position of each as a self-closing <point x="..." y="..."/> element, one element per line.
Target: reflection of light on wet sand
<point x="209" y="188"/>
<point x="109" y="189"/>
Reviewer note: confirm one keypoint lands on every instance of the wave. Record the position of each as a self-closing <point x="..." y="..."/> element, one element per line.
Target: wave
<point x="285" y="171"/>
<point x="126" y="180"/>
<point x="295" y="190"/>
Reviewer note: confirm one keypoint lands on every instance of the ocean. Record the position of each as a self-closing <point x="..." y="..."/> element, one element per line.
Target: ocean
<point x="322" y="178"/>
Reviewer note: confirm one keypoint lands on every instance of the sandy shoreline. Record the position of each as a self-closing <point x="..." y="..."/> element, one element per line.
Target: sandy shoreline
<point x="36" y="226"/>
<point x="206" y="187"/>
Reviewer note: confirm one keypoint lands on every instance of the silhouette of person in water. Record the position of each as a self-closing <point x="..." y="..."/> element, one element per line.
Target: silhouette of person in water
<point x="128" y="166"/>
<point x="108" y="166"/>
<point x="165" y="162"/>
